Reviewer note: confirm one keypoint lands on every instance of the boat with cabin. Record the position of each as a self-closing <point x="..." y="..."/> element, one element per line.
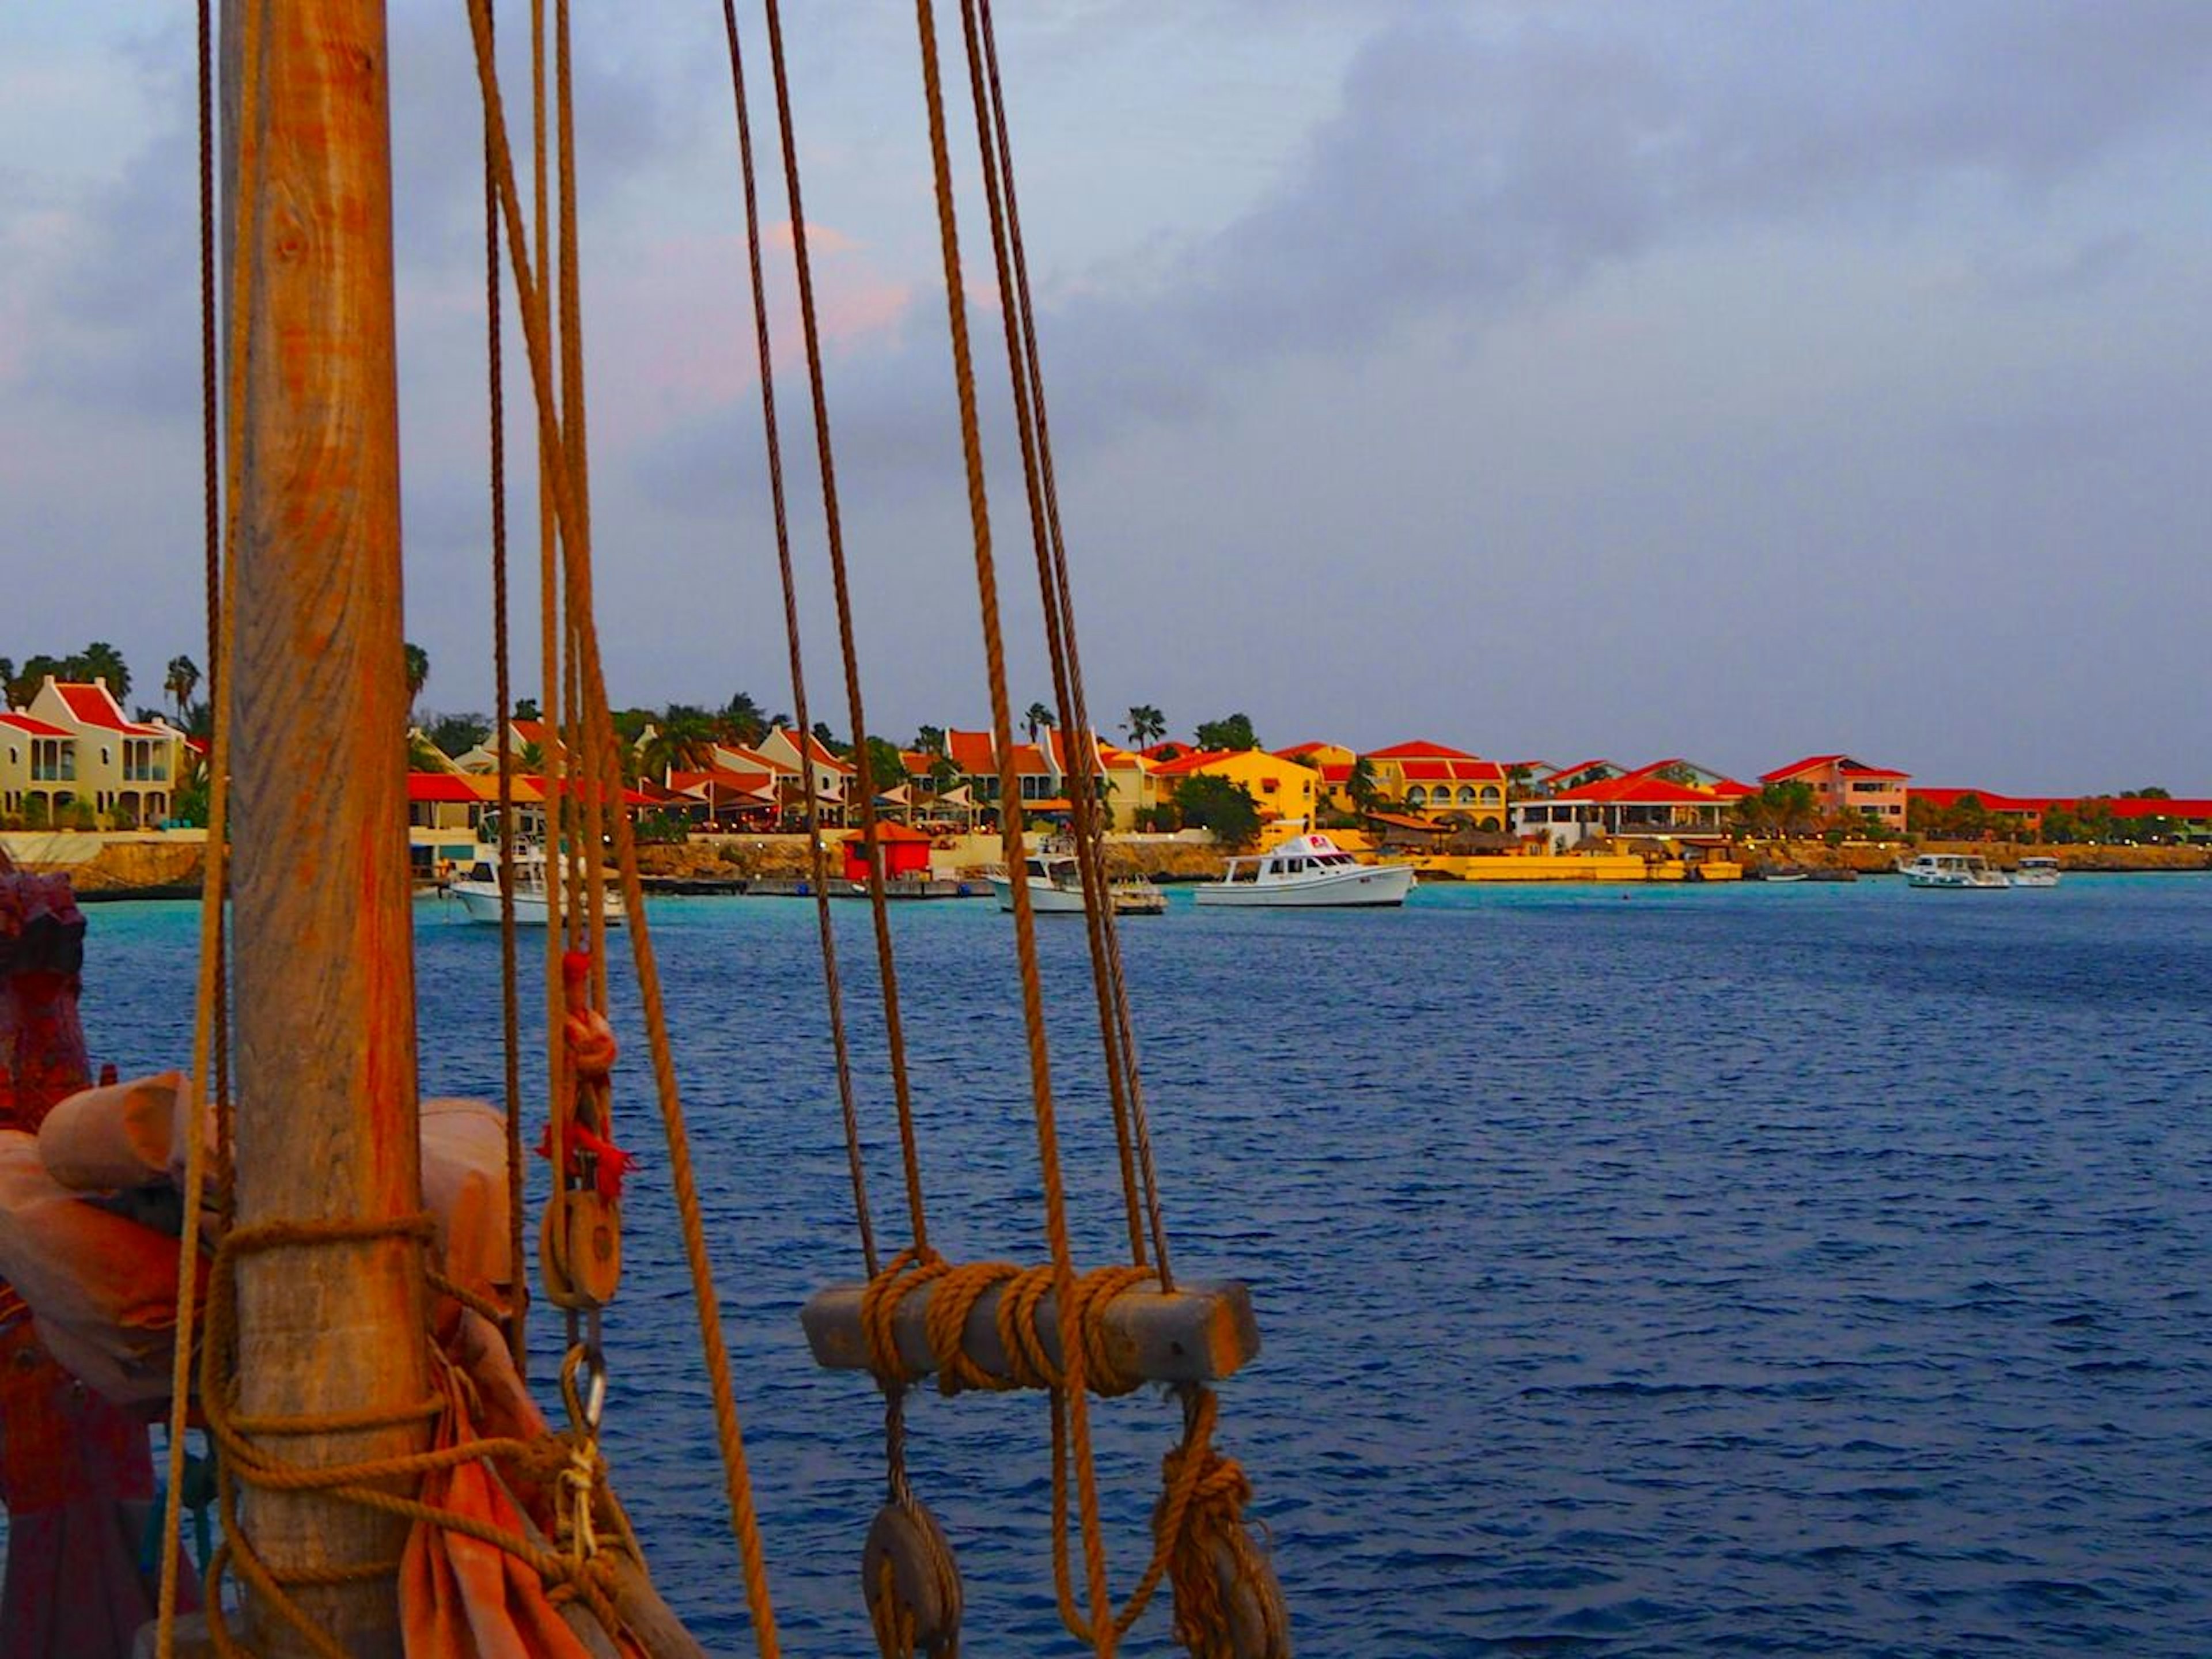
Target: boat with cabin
<point x="1954" y="871"/>
<point x="1308" y="872"/>
<point x="479" y="891"/>
<point x="2036" y="872"/>
<point x="1055" y="881"/>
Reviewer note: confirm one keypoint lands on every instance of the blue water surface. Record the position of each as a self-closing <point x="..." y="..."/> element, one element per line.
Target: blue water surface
<point x="1757" y="1270"/>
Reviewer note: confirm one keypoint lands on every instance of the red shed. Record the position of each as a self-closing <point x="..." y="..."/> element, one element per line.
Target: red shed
<point x="906" y="853"/>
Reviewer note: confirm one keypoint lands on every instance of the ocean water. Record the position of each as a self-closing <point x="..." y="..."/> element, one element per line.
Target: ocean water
<point x="1752" y="1270"/>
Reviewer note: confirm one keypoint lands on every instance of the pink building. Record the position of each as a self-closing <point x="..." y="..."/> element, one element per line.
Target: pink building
<point x="1846" y="785"/>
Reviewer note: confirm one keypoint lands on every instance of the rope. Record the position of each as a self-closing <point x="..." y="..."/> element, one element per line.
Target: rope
<point x="893" y="1028"/>
<point x="244" y="1461"/>
<point x="1116" y="1036"/>
<point x="833" y="990"/>
<point x="1199" y="1519"/>
<point x="510" y="997"/>
<point x="575" y="541"/>
<point x="1055" y="1200"/>
<point x="1119" y="1033"/>
<point x="208" y="1017"/>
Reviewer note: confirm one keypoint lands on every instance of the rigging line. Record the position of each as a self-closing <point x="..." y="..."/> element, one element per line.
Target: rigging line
<point x="894" y="1024"/>
<point x="1055" y="1197"/>
<point x="552" y="757"/>
<point x="510" y="996"/>
<point x="212" y="500"/>
<point x="592" y="875"/>
<point x="1126" y="1027"/>
<point x="730" y="1439"/>
<point x="1083" y="801"/>
<point x="832" y="989"/>
<point x="211" y="990"/>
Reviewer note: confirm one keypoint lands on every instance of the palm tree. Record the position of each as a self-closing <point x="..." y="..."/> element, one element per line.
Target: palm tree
<point x="1145" y="725"/>
<point x="743" y="718"/>
<point x="182" y="680"/>
<point x="418" y="671"/>
<point x="682" y="741"/>
<point x="100" y="660"/>
<point x="1038" y="717"/>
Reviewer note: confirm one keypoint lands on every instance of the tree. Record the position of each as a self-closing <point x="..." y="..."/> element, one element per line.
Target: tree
<point x="1680" y="772"/>
<point x="1038" y="718"/>
<point x="102" y="661"/>
<point x="456" y="734"/>
<point x="743" y="719"/>
<point x="1231" y="731"/>
<point x="418" y="671"/>
<point x="1146" y="725"/>
<point x="1362" y="787"/>
<point x="1222" y="805"/>
<point x="930" y="740"/>
<point x="7" y="681"/>
<point x="682" y="741"/>
<point x="526" y="710"/>
<point x="886" y="766"/>
<point x="32" y="675"/>
<point x="182" y="679"/>
<point x="828" y="739"/>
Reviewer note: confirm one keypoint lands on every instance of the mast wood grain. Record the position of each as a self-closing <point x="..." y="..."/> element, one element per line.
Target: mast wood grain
<point x="324" y="963"/>
<point x="1201" y="1332"/>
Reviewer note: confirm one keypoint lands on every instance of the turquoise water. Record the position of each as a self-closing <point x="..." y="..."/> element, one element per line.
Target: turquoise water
<point x="1797" y="1269"/>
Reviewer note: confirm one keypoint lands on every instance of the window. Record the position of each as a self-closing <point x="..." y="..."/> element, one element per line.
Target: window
<point x="1417" y="796"/>
<point x="1489" y="796"/>
<point x="1466" y="794"/>
<point x="106" y="755"/>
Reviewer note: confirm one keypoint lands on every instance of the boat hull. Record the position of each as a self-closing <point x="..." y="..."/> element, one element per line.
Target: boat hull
<point x="1047" y="900"/>
<point x="1368" y="887"/>
<point x="479" y="901"/>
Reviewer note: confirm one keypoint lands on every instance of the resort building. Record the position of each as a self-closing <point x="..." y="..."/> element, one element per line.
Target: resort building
<point x="1432" y="777"/>
<point x="1334" y="762"/>
<point x="1042" y="769"/>
<point x="1844" y="785"/>
<point x="792" y="757"/>
<point x="38" y="762"/>
<point x="86" y="751"/>
<point x="1672" y="797"/>
<point x="1282" y="789"/>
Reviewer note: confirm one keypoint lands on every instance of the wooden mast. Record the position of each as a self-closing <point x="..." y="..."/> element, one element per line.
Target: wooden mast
<point x="324" y="976"/>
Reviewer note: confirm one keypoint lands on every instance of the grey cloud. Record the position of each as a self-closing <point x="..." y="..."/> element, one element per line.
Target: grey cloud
<point x="1481" y="160"/>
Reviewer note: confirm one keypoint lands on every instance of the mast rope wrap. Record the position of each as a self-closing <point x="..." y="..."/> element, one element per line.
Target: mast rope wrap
<point x="569" y="1460"/>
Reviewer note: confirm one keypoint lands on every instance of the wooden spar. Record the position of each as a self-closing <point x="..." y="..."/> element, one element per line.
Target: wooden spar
<point x="1197" y="1333"/>
<point x="324" y="974"/>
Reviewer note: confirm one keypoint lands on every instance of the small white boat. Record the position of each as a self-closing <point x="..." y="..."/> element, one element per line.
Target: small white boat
<point x="479" y="891"/>
<point x="1309" y="870"/>
<point x="1953" y="870"/>
<point x="1055" y="882"/>
<point x="2036" y="872"/>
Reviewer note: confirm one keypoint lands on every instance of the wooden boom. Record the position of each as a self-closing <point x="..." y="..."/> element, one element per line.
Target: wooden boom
<point x="1201" y="1332"/>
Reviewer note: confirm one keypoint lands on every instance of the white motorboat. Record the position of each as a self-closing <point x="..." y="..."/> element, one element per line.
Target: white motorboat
<point x="1055" y="882"/>
<point x="1960" y="871"/>
<point x="1309" y="870"/>
<point x="479" y="891"/>
<point x="2036" y="872"/>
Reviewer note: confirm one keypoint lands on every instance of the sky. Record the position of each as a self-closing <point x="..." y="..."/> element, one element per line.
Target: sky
<point x="1738" y="381"/>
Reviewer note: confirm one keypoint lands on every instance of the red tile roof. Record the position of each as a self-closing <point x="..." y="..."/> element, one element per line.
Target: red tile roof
<point x="1841" y="763"/>
<point x="1420" y="749"/>
<point x="973" y="752"/>
<point x="1452" y="771"/>
<point x="92" y="704"/>
<point x="1191" y="760"/>
<point x="36" y="728"/>
<point x="445" y="789"/>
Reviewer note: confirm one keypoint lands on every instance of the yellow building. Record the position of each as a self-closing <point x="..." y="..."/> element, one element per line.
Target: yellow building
<point x="1433" y="777"/>
<point x="1334" y="762"/>
<point x="126" y="770"/>
<point x="1282" y="788"/>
